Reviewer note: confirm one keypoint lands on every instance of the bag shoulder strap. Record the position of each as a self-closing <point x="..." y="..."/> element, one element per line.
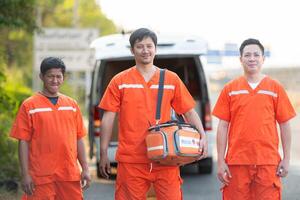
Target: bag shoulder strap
<point x="160" y="94"/>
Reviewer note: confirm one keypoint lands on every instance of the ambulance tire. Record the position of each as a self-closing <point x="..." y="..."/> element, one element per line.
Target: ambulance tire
<point x="205" y="166"/>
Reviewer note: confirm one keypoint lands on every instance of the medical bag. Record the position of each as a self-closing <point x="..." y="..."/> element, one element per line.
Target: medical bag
<point x="173" y="142"/>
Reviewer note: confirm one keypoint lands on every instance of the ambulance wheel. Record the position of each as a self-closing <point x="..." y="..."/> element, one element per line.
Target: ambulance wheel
<point x="205" y="166"/>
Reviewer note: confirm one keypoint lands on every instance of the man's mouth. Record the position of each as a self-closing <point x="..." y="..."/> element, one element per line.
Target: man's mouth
<point x="252" y="65"/>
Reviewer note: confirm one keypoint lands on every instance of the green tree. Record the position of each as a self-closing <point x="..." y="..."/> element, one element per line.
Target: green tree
<point x="92" y="16"/>
<point x="17" y="14"/>
<point x="11" y="95"/>
<point x="60" y="13"/>
<point x="17" y="23"/>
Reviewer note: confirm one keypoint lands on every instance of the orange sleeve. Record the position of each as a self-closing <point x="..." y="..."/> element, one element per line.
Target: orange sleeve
<point x="182" y="101"/>
<point x="111" y="98"/>
<point x="81" y="131"/>
<point x="222" y="107"/>
<point x="284" y="110"/>
<point x="22" y="126"/>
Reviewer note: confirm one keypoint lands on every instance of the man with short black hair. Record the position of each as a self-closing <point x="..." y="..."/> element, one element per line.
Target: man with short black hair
<point x="50" y="131"/>
<point x="133" y="95"/>
<point x="248" y="108"/>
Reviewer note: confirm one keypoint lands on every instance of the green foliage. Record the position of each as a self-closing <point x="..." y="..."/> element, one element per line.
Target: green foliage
<point x="57" y="13"/>
<point x="5" y="195"/>
<point x="11" y="96"/>
<point x="60" y="13"/>
<point x="92" y="16"/>
<point x="16" y="51"/>
<point x="17" y="14"/>
<point x="17" y="23"/>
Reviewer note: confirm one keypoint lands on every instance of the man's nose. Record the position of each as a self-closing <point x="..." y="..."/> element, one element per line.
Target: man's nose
<point x="252" y="58"/>
<point x="145" y="49"/>
<point x="55" y="79"/>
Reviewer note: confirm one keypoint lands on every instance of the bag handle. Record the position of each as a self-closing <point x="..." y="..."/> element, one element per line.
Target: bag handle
<point x="172" y="123"/>
<point x="160" y="94"/>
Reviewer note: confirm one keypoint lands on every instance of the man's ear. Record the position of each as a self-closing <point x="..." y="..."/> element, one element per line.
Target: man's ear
<point x="132" y="51"/>
<point x="41" y="76"/>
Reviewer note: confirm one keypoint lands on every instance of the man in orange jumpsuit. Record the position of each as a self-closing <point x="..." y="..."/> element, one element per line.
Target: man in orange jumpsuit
<point x="50" y="131"/>
<point x="248" y="108"/>
<point x="133" y="94"/>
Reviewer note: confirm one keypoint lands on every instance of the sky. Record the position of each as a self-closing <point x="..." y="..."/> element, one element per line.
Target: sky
<point x="274" y="22"/>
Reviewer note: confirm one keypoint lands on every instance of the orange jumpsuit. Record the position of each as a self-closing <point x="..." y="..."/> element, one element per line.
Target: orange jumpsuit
<point x="252" y="154"/>
<point x="52" y="132"/>
<point x="135" y="101"/>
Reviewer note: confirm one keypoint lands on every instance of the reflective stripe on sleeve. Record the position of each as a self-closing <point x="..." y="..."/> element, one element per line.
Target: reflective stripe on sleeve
<point x="267" y="92"/>
<point x="36" y="110"/>
<point x="67" y="108"/>
<point x="237" y="92"/>
<point x="167" y="87"/>
<point x="130" y="86"/>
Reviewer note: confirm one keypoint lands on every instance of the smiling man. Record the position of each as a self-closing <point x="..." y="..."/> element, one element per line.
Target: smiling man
<point x="50" y="131"/>
<point x="248" y="109"/>
<point x="133" y="95"/>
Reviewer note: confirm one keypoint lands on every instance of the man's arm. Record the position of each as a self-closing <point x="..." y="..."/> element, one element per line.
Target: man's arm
<point x="193" y="118"/>
<point x="106" y="133"/>
<point x="85" y="174"/>
<point x="27" y="183"/>
<point x="286" y="137"/>
<point x="223" y="170"/>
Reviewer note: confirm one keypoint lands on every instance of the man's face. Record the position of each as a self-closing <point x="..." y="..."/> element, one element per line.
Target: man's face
<point x="52" y="80"/>
<point x="144" y="51"/>
<point x="252" y="59"/>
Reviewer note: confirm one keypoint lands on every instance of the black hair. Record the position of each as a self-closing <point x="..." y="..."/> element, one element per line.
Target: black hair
<point x="52" y="62"/>
<point x="249" y="42"/>
<point x="140" y="34"/>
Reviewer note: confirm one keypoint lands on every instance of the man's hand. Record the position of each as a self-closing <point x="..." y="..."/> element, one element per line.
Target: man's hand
<point x="106" y="133"/>
<point x="203" y="147"/>
<point x="286" y="137"/>
<point x="27" y="184"/>
<point x="223" y="174"/>
<point x="104" y="166"/>
<point x="85" y="179"/>
<point x="283" y="168"/>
